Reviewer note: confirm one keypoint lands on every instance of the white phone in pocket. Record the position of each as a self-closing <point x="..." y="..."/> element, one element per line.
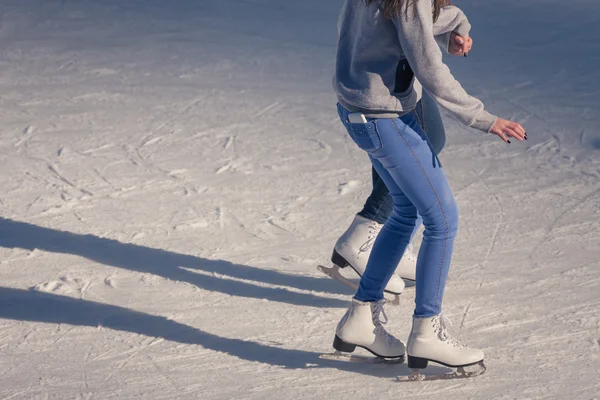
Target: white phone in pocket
<point x="357" y="118"/>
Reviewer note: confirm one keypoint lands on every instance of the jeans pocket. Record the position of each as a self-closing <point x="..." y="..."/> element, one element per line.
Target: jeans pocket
<point x="365" y="136"/>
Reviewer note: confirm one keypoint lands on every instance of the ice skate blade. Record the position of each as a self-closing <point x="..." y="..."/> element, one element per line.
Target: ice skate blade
<point x="459" y="373"/>
<point x="339" y="356"/>
<point x="334" y="273"/>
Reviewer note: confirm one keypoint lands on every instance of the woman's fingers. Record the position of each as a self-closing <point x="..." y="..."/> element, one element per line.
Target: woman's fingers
<point x="458" y="39"/>
<point x="520" y="129"/>
<point x="507" y="129"/>
<point x="468" y="45"/>
<point x="460" y="45"/>
<point x="517" y="131"/>
<point x="501" y="135"/>
<point x="513" y="134"/>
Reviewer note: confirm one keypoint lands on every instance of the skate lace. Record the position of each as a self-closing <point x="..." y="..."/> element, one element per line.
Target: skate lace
<point x="442" y="326"/>
<point x="377" y="311"/>
<point x="374" y="229"/>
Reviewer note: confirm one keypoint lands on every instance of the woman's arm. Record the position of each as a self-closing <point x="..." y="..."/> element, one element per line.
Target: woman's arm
<point x="416" y="35"/>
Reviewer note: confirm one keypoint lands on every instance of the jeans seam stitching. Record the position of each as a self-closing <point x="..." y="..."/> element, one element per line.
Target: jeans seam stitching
<point x="441" y="208"/>
<point x="381" y="205"/>
<point x="424" y="117"/>
<point x="378" y="137"/>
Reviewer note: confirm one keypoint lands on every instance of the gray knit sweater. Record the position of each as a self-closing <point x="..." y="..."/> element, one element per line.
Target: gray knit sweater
<point x="371" y="48"/>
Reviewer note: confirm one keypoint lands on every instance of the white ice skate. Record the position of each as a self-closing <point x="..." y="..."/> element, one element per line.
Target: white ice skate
<point x="430" y="340"/>
<point x="353" y="249"/>
<point x="407" y="268"/>
<point x="361" y="326"/>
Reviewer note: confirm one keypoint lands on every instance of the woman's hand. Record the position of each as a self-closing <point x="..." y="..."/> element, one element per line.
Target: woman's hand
<point x="506" y="129"/>
<point x="460" y="45"/>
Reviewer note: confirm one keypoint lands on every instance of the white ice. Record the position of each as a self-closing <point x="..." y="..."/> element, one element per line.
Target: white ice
<point x="172" y="172"/>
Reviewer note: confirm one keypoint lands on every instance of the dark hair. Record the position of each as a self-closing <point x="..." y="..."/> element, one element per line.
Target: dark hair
<point x="393" y="8"/>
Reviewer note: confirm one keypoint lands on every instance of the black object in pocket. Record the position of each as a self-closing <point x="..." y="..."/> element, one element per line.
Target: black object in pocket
<point x="404" y="77"/>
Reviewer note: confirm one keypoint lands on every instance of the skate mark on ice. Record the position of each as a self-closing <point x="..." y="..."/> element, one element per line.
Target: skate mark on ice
<point x="27" y="135"/>
<point x="64" y="285"/>
<point x="136" y="159"/>
<point x="17" y="394"/>
<point x="101" y="176"/>
<point x="97" y="149"/>
<point x="508" y="325"/>
<point x="191" y="225"/>
<point x="229" y="143"/>
<point x="152" y="141"/>
<point x="54" y="169"/>
<point x="549" y="146"/>
<point x="36" y="311"/>
<point x="543" y="340"/>
<point x="216" y="131"/>
<point x="236" y="165"/>
<point x="221" y="217"/>
<point x="162" y="373"/>
<point x="272" y="108"/>
<point x="224" y="168"/>
<point x="464" y="317"/>
<point x="177" y="172"/>
<point x="102" y="72"/>
<point x="24" y="339"/>
<point x="110" y="282"/>
<point x="83" y="291"/>
<point x="322" y="145"/>
<point x="61" y="151"/>
<point x="271" y="222"/>
<point x="349" y="187"/>
<point x="556" y="220"/>
<point x="112" y="353"/>
<point x="50" y="287"/>
<point x="493" y="242"/>
<point x="136" y="352"/>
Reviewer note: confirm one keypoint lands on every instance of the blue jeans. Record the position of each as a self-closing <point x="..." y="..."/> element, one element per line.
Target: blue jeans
<point x="406" y="162"/>
<point x="379" y="205"/>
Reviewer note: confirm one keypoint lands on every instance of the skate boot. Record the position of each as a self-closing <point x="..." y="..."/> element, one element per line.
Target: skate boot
<point x="407" y="268"/>
<point x="361" y="326"/>
<point x="354" y="247"/>
<point x="430" y="340"/>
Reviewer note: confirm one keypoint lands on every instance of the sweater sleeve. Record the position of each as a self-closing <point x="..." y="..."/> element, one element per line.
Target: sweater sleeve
<point x="451" y="19"/>
<point x="416" y="35"/>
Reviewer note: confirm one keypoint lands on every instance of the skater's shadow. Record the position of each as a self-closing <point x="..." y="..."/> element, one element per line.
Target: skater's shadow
<point x="174" y="266"/>
<point x="30" y="305"/>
